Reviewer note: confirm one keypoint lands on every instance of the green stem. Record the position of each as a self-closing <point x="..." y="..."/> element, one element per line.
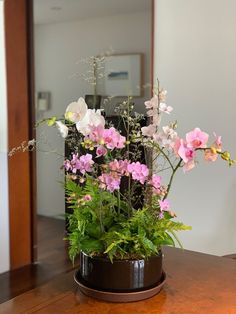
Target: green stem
<point x="165" y="155"/>
<point x="118" y="202"/>
<point x="94" y="77"/>
<point x="128" y="153"/>
<point x="100" y="213"/>
<point x="172" y="177"/>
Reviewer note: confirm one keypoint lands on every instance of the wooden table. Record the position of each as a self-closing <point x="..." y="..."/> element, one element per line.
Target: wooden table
<point x="196" y="283"/>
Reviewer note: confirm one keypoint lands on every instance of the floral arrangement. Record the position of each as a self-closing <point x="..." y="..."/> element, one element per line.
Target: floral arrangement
<point x="120" y="205"/>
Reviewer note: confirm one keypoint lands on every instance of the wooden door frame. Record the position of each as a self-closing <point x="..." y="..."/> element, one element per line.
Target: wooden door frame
<point x="20" y="102"/>
<point x="21" y="117"/>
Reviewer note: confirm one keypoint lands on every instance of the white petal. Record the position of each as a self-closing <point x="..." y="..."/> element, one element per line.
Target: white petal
<point x="91" y="119"/>
<point x="63" y="129"/>
<point x="75" y="111"/>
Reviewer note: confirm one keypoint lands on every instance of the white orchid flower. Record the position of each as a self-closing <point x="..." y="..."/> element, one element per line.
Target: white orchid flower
<point x="76" y="110"/>
<point x="91" y="119"/>
<point x="63" y="129"/>
<point x="169" y="132"/>
<point x="148" y="130"/>
<point x="164" y="108"/>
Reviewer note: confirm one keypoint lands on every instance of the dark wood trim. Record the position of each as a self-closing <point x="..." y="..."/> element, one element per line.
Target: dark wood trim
<point x="32" y="122"/>
<point x="19" y="100"/>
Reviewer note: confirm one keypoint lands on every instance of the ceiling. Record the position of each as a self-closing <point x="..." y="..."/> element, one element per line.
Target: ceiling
<point x="57" y="11"/>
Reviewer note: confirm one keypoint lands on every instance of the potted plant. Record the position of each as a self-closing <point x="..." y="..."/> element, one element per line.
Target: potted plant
<point x="119" y="243"/>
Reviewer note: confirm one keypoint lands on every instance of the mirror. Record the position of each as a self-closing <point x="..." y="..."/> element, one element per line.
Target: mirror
<point x="68" y="35"/>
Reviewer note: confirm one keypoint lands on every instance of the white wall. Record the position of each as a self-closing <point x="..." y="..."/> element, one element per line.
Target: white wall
<point x="4" y="209"/>
<point x="57" y="49"/>
<point x="195" y="59"/>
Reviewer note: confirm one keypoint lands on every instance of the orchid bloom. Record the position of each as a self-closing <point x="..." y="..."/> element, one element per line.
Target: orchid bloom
<point x="164" y="205"/>
<point x="92" y="118"/>
<point x="101" y="151"/>
<point x="76" y="110"/>
<point x="152" y="103"/>
<point x="211" y="153"/>
<point x="164" y="108"/>
<point x="166" y="138"/>
<point x="196" y="139"/>
<point x="138" y="171"/>
<point x="148" y="130"/>
<point x="113" y="139"/>
<point x="218" y="142"/>
<point x="162" y="95"/>
<point x="84" y="163"/>
<point x="109" y="181"/>
<point x="183" y="151"/>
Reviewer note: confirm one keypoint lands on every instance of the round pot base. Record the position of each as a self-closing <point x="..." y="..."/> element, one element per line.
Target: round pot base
<point x="118" y="296"/>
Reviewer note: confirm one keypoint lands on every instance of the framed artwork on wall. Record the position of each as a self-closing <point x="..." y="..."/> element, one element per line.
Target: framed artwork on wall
<point x="123" y="75"/>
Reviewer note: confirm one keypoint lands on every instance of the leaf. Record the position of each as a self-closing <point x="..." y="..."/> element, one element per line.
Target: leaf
<point x="168" y="240"/>
<point x="149" y="245"/>
<point x="91" y="246"/>
<point x="177" y="240"/>
<point x="94" y="230"/>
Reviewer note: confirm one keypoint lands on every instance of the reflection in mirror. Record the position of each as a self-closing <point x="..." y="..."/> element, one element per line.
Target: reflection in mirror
<point x="67" y="33"/>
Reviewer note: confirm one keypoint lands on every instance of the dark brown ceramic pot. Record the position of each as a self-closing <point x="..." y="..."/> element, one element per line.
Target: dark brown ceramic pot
<point x="121" y="275"/>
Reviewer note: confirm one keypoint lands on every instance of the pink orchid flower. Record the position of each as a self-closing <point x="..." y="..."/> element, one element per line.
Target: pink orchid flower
<point x="189" y="165"/>
<point x="138" y="171"/>
<point x="164" y="205"/>
<point x="183" y="151"/>
<point x="196" y="139"/>
<point x="109" y="181"/>
<point x="210" y="155"/>
<point x="101" y="151"/>
<point x="113" y="139"/>
<point x="218" y="142"/>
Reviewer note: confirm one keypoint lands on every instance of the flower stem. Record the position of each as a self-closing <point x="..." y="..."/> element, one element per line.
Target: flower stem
<point x="118" y="202"/>
<point x="165" y="155"/>
<point x="172" y="177"/>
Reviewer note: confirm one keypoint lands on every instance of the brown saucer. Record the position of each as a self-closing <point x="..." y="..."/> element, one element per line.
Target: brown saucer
<point x="118" y="296"/>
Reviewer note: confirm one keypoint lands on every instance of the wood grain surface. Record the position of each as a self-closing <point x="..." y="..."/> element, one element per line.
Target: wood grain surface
<point x="19" y="130"/>
<point x="52" y="260"/>
<point x="196" y="283"/>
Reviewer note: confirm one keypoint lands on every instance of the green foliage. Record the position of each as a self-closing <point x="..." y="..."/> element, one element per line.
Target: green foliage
<point x="141" y="236"/>
<point x="102" y="226"/>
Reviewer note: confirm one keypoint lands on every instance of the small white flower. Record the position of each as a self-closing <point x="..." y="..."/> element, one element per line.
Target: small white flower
<point x="169" y="132"/>
<point x="148" y="130"/>
<point x="91" y="119"/>
<point x="162" y="95"/>
<point x="164" y="108"/>
<point x="76" y="110"/>
<point x="63" y="129"/>
<point x="166" y="138"/>
<point x="152" y="103"/>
